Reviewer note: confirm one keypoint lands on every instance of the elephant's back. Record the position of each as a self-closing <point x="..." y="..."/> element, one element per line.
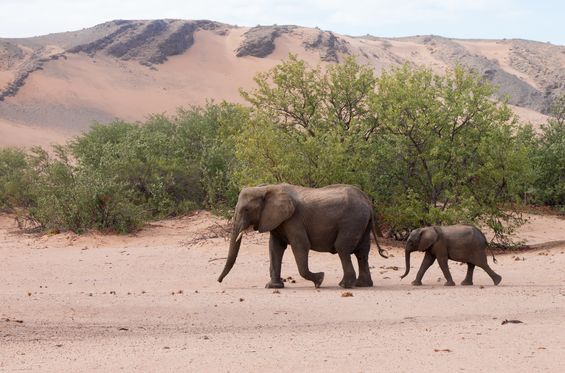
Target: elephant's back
<point x="465" y="233"/>
<point x="339" y="198"/>
<point x="333" y="212"/>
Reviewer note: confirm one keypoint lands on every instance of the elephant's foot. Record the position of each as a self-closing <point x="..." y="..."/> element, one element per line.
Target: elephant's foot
<point x="347" y="282"/>
<point x="364" y="282"/>
<point x="497" y="279"/>
<point x="417" y="283"/>
<point x="318" y="279"/>
<point x="274" y="285"/>
<point x="449" y="283"/>
<point x="467" y="282"/>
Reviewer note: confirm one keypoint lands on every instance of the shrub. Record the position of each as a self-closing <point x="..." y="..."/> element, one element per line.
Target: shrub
<point x="15" y="179"/>
<point x="549" y="159"/>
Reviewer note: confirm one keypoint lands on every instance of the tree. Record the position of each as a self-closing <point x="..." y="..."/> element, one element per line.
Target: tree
<point x="458" y="157"/>
<point x="549" y="158"/>
<point x="306" y="124"/>
<point x="429" y="149"/>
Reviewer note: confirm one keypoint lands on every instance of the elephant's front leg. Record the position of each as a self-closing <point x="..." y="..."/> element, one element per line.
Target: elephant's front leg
<point x="429" y="259"/>
<point x="276" y="252"/>
<point x="300" y="251"/>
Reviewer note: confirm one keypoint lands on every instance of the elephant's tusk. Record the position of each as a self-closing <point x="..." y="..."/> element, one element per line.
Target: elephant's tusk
<point x="239" y="236"/>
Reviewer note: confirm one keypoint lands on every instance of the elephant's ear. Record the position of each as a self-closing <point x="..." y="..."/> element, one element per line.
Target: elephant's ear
<point x="428" y="236"/>
<point x="278" y="206"/>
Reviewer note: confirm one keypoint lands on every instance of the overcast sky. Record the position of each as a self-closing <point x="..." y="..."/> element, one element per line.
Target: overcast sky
<point x="541" y="20"/>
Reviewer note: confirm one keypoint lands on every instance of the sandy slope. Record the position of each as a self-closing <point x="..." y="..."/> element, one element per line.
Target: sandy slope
<point x="103" y="88"/>
<point x="106" y="303"/>
<point x="68" y="92"/>
<point x="21" y="135"/>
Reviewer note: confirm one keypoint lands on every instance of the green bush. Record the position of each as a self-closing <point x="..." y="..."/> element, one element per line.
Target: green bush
<point x="15" y="179"/>
<point x="117" y="176"/>
<point x="549" y="159"/>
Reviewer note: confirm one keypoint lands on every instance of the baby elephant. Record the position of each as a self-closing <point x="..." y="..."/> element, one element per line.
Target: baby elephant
<point x="462" y="243"/>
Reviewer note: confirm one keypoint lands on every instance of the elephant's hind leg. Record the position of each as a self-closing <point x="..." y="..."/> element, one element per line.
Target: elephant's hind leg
<point x="469" y="278"/>
<point x="362" y="254"/>
<point x="496" y="278"/>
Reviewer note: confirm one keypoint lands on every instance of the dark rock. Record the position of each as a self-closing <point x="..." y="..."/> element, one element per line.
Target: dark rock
<point x="35" y="63"/>
<point x="104" y="42"/>
<point x="149" y="42"/>
<point x="329" y="45"/>
<point x="260" y="40"/>
<point x="507" y="85"/>
<point x="176" y="43"/>
<point x="129" y="48"/>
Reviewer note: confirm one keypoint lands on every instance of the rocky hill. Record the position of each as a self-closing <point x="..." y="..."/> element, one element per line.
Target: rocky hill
<point x="129" y="69"/>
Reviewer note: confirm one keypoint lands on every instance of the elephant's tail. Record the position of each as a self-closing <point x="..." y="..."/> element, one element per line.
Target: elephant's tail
<point x="492" y="253"/>
<point x="375" y="234"/>
<point x="487" y="244"/>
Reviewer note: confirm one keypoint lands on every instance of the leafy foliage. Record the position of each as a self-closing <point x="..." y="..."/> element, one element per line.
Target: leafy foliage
<point x="429" y="149"/>
<point x="457" y="156"/>
<point x="15" y="179"/>
<point x="549" y="159"/>
<point x="117" y="176"/>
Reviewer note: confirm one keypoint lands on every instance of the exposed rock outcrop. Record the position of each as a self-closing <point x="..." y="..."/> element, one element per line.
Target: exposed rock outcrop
<point x="518" y="92"/>
<point x="33" y="63"/>
<point x="260" y="41"/>
<point x="149" y="42"/>
<point x="543" y="63"/>
<point x="99" y="44"/>
<point x="329" y="45"/>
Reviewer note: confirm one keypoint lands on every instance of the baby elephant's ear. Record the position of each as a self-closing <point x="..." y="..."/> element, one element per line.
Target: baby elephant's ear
<point x="428" y="236"/>
<point x="278" y="206"/>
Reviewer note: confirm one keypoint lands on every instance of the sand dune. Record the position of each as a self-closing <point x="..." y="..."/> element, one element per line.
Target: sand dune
<point x="21" y="135"/>
<point x="130" y="69"/>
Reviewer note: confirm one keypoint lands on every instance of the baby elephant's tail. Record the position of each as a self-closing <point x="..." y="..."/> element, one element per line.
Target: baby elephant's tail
<point x="492" y="253"/>
<point x="487" y="244"/>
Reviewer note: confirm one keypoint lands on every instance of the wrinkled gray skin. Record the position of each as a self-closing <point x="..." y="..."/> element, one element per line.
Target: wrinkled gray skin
<point x="462" y="243"/>
<point x="335" y="219"/>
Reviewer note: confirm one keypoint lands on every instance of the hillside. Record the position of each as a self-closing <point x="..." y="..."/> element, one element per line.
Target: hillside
<point x="128" y="69"/>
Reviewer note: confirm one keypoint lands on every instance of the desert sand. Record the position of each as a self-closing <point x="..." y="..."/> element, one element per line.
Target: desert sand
<point x="16" y="135"/>
<point x="151" y="302"/>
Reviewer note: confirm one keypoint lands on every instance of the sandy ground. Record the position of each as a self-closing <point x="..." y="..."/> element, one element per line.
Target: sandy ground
<point x="150" y="302"/>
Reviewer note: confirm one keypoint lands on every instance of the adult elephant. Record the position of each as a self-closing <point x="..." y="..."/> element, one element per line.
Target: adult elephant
<point x="336" y="219"/>
<point x="462" y="243"/>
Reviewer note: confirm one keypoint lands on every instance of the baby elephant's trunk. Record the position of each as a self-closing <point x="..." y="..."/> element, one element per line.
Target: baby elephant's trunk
<point x="407" y="258"/>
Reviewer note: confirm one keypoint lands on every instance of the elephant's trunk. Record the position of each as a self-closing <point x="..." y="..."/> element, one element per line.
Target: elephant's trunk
<point x="235" y="243"/>
<point x="407" y="257"/>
